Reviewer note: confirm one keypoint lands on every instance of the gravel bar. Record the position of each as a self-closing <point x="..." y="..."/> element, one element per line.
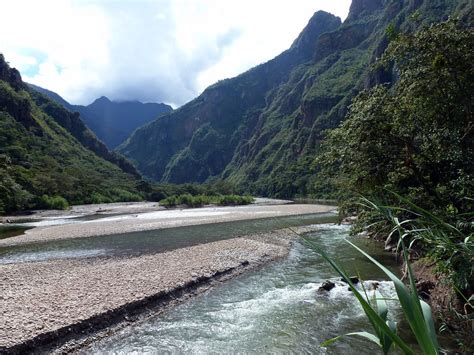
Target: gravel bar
<point x="43" y="303"/>
<point x="162" y="219"/>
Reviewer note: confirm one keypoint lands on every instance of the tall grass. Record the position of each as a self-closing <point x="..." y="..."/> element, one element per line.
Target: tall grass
<point x="449" y="245"/>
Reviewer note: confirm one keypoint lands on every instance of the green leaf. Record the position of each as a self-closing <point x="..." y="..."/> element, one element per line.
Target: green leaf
<point x="411" y="305"/>
<point x="365" y="335"/>
<point x="377" y="322"/>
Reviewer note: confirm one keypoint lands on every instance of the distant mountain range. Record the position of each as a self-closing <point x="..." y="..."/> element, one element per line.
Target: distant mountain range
<point x="261" y="130"/>
<point x="111" y="121"/>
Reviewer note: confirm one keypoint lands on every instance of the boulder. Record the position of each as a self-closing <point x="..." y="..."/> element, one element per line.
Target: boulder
<point x="326" y="286"/>
<point x="354" y="279"/>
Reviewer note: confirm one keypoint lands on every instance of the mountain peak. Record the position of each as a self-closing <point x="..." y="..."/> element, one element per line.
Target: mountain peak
<point x="102" y="99"/>
<point x="319" y="23"/>
<point x="360" y="8"/>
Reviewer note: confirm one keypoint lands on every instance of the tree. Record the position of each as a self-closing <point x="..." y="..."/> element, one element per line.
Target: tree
<point x="12" y="196"/>
<point x="416" y="137"/>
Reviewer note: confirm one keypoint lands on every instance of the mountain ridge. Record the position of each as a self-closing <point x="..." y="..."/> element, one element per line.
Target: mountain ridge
<point x="260" y="129"/>
<point x="49" y="158"/>
<point x="111" y="121"/>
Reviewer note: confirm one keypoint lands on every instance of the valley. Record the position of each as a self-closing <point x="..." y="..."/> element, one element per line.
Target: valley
<point x="318" y="202"/>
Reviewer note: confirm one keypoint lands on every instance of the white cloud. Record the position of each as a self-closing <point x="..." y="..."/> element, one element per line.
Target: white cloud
<point x="163" y="50"/>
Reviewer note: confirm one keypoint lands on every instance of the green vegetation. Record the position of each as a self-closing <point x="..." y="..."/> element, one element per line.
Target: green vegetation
<point x="43" y="163"/>
<point x="200" y="200"/>
<point x="410" y="148"/>
<point x="448" y="245"/>
<point x="53" y="202"/>
<point x="416" y="138"/>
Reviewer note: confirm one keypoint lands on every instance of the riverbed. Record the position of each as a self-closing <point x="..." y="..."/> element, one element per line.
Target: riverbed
<point x="276" y="309"/>
<point x="63" y="285"/>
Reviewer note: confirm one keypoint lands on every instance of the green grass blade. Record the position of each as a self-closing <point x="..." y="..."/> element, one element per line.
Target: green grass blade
<point x="365" y="335"/>
<point x="410" y="303"/>
<point x="377" y="322"/>
<point x="428" y="315"/>
<point x="425" y="331"/>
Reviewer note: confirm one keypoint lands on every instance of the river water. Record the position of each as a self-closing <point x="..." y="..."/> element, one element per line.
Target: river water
<point x="156" y="241"/>
<point x="275" y="309"/>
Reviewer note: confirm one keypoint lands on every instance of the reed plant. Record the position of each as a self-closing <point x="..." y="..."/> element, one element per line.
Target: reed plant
<point x="417" y="312"/>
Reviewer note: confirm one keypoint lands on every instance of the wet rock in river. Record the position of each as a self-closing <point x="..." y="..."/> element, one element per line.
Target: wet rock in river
<point x="354" y="280"/>
<point x="326" y="286"/>
<point x="374" y="285"/>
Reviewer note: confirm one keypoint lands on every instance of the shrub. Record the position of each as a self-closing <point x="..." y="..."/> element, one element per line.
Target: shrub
<point x="53" y="202"/>
<point x="201" y="200"/>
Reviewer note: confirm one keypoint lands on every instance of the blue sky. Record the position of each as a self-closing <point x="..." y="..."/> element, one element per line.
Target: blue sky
<point x="162" y="51"/>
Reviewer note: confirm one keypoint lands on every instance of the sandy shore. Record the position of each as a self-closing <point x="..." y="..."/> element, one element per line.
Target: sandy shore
<point x="162" y="219"/>
<point x="42" y="302"/>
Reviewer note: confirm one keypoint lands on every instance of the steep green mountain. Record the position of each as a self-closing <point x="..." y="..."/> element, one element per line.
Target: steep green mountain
<point x="111" y="121"/>
<point x="261" y="129"/>
<point x="49" y="158"/>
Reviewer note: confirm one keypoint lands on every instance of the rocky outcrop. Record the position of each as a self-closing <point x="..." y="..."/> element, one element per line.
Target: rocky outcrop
<point x="10" y="75"/>
<point x="361" y="9"/>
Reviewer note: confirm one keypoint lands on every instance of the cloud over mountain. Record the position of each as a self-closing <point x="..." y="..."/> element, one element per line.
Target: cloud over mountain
<point x="162" y="50"/>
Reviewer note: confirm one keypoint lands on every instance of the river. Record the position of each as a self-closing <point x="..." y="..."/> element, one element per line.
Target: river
<point x="146" y="242"/>
<point x="275" y="309"/>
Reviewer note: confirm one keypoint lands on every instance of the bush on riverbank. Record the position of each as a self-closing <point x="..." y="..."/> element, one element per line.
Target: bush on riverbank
<point x="158" y="192"/>
<point x="53" y="202"/>
<point x="201" y="200"/>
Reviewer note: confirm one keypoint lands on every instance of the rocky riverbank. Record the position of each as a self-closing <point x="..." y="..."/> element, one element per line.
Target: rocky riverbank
<point x="45" y="304"/>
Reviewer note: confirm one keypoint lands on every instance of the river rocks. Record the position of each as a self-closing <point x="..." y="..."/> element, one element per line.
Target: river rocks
<point x="326" y="286"/>
<point x="354" y="280"/>
<point x="374" y="285"/>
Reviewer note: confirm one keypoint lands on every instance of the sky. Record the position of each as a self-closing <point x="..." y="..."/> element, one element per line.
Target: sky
<point x="151" y="51"/>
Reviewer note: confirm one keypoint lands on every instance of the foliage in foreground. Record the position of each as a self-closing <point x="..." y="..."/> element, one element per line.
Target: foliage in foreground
<point x="200" y="200"/>
<point x="451" y="246"/>
<point x="415" y="139"/>
<point x="417" y="312"/>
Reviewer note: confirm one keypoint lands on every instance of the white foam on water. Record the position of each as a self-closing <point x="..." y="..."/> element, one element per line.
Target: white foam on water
<point x="329" y="226"/>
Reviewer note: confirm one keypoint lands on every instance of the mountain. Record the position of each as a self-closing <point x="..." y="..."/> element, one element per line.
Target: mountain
<point x="111" y="121"/>
<point x="47" y="154"/>
<point x="261" y="129"/>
